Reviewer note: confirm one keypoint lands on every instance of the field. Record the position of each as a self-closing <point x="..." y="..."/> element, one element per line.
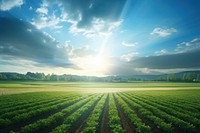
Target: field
<point x="27" y="107"/>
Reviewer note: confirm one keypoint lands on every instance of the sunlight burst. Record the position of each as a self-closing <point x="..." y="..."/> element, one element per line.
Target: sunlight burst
<point x="98" y="63"/>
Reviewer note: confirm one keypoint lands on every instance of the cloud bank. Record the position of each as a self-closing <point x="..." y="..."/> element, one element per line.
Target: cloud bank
<point x="91" y="17"/>
<point x="188" y="46"/>
<point x="173" y="61"/>
<point x="21" y="40"/>
<point x="84" y="12"/>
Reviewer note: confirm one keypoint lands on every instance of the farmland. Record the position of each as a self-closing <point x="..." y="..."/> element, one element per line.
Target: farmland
<point x="131" y="107"/>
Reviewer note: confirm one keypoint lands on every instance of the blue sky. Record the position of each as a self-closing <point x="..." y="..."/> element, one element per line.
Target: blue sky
<point x="99" y="37"/>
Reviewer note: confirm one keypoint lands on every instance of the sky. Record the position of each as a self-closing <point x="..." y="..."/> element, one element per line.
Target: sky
<point x="99" y="37"/>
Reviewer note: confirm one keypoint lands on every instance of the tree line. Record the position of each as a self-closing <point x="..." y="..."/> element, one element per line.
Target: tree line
<point x="48" y="77"/>
<point x="30" y="76"/>
<point x="184" y="77"/>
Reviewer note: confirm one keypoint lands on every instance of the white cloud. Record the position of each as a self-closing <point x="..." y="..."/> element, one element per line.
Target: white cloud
<point x="43" y="7"/>
<point x="73" y="53"/>
<point x="91" y="5"/>
<point x="188" y="46"/>
<point x="129" y="44"/>
<point x="128" y="57"/>
<point x="86" y="20"/>
<point x="183" y="47"/>
<point x="143" y="70"/>
<point x="98" y="27"/>
<point x="31" y="44"/>
<point x="80" y="52"/>
<point x="163" y="32"/>
<point x="89" y="24"/>
<point x="122" y="31"/>
<point x="45" y="19"/>
<point x="6" y="5"/>
<point x="42" y="10"/>
<point x="30" y="8"/>
<point x="161" y="52"/>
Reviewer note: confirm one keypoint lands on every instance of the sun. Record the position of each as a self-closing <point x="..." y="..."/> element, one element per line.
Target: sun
<point x="96" y="63"/>
<point x="93" y="65"/>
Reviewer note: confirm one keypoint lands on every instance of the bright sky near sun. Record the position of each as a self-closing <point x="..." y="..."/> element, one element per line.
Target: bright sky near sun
<point x="99" y="37"/>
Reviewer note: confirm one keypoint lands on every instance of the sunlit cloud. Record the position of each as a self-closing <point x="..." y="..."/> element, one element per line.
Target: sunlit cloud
<point x="6" y="5"/>
<point x="194" y="44"/>
<point x="82" y="52"/>
<point x="30" y="8"/>
<point x="163" y="32"/>
<point x="43" y="21"/>
<point x="24" y="41"/>
<point x="98" y="28"/>
<point x="161" y="52"/>
<point x="46" y="19"/>
<point x="129" y="44"/>
<point x="42" y="10"/>
<point x="128" y="57"/>
<point x="92" y="19"/>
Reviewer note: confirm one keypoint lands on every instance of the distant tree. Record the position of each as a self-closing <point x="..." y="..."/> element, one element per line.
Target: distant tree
<point x="31" y="76"/>
<point x="198" y="77"/>
<point x="190" y="76"/>
<point x="2" y="76"/>
<point x="171" y="77"/>
<point x="161" y="79"/>
<point x="40" y="76"/>
<point x="54" y="77"/>
<point x="47" y="77"/>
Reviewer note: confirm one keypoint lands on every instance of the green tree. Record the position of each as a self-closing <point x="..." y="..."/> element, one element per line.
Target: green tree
<point x="171" y="77"/>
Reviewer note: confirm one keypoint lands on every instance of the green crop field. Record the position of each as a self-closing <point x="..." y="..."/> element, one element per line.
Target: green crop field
<point x="73" y="107"/>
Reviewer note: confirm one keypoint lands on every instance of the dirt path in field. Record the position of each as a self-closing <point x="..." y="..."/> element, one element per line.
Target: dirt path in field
<point x="8" y="91"/>
<point x="104" y="127"/>
<point x="126" y="124"/>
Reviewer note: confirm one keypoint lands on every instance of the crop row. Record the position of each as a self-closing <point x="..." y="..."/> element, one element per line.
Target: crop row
<point x="25" y="99"/>
<point x="175" y="111"/>
<point x="135" y="111"/>
<point x="174" y="105"/>
<point x="26" y="105"/>
<point x="9" y="114"/>
<point x="131" y="114"/>
<point x="174" y="102"/>
<point x="148" y="115"/>
<point x="30" y="114"/>
<point x="69" y="121"/>
<point x="185" y="126"/>
<point x="114" y="119"/>
<point x="59" y="116"/>
<point x="93" y="120"/>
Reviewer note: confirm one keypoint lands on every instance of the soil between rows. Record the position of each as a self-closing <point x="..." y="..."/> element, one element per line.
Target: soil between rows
<point x="126" y="123"/>
<point x="104" y="123"/>
<point x="83" y="118"/>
